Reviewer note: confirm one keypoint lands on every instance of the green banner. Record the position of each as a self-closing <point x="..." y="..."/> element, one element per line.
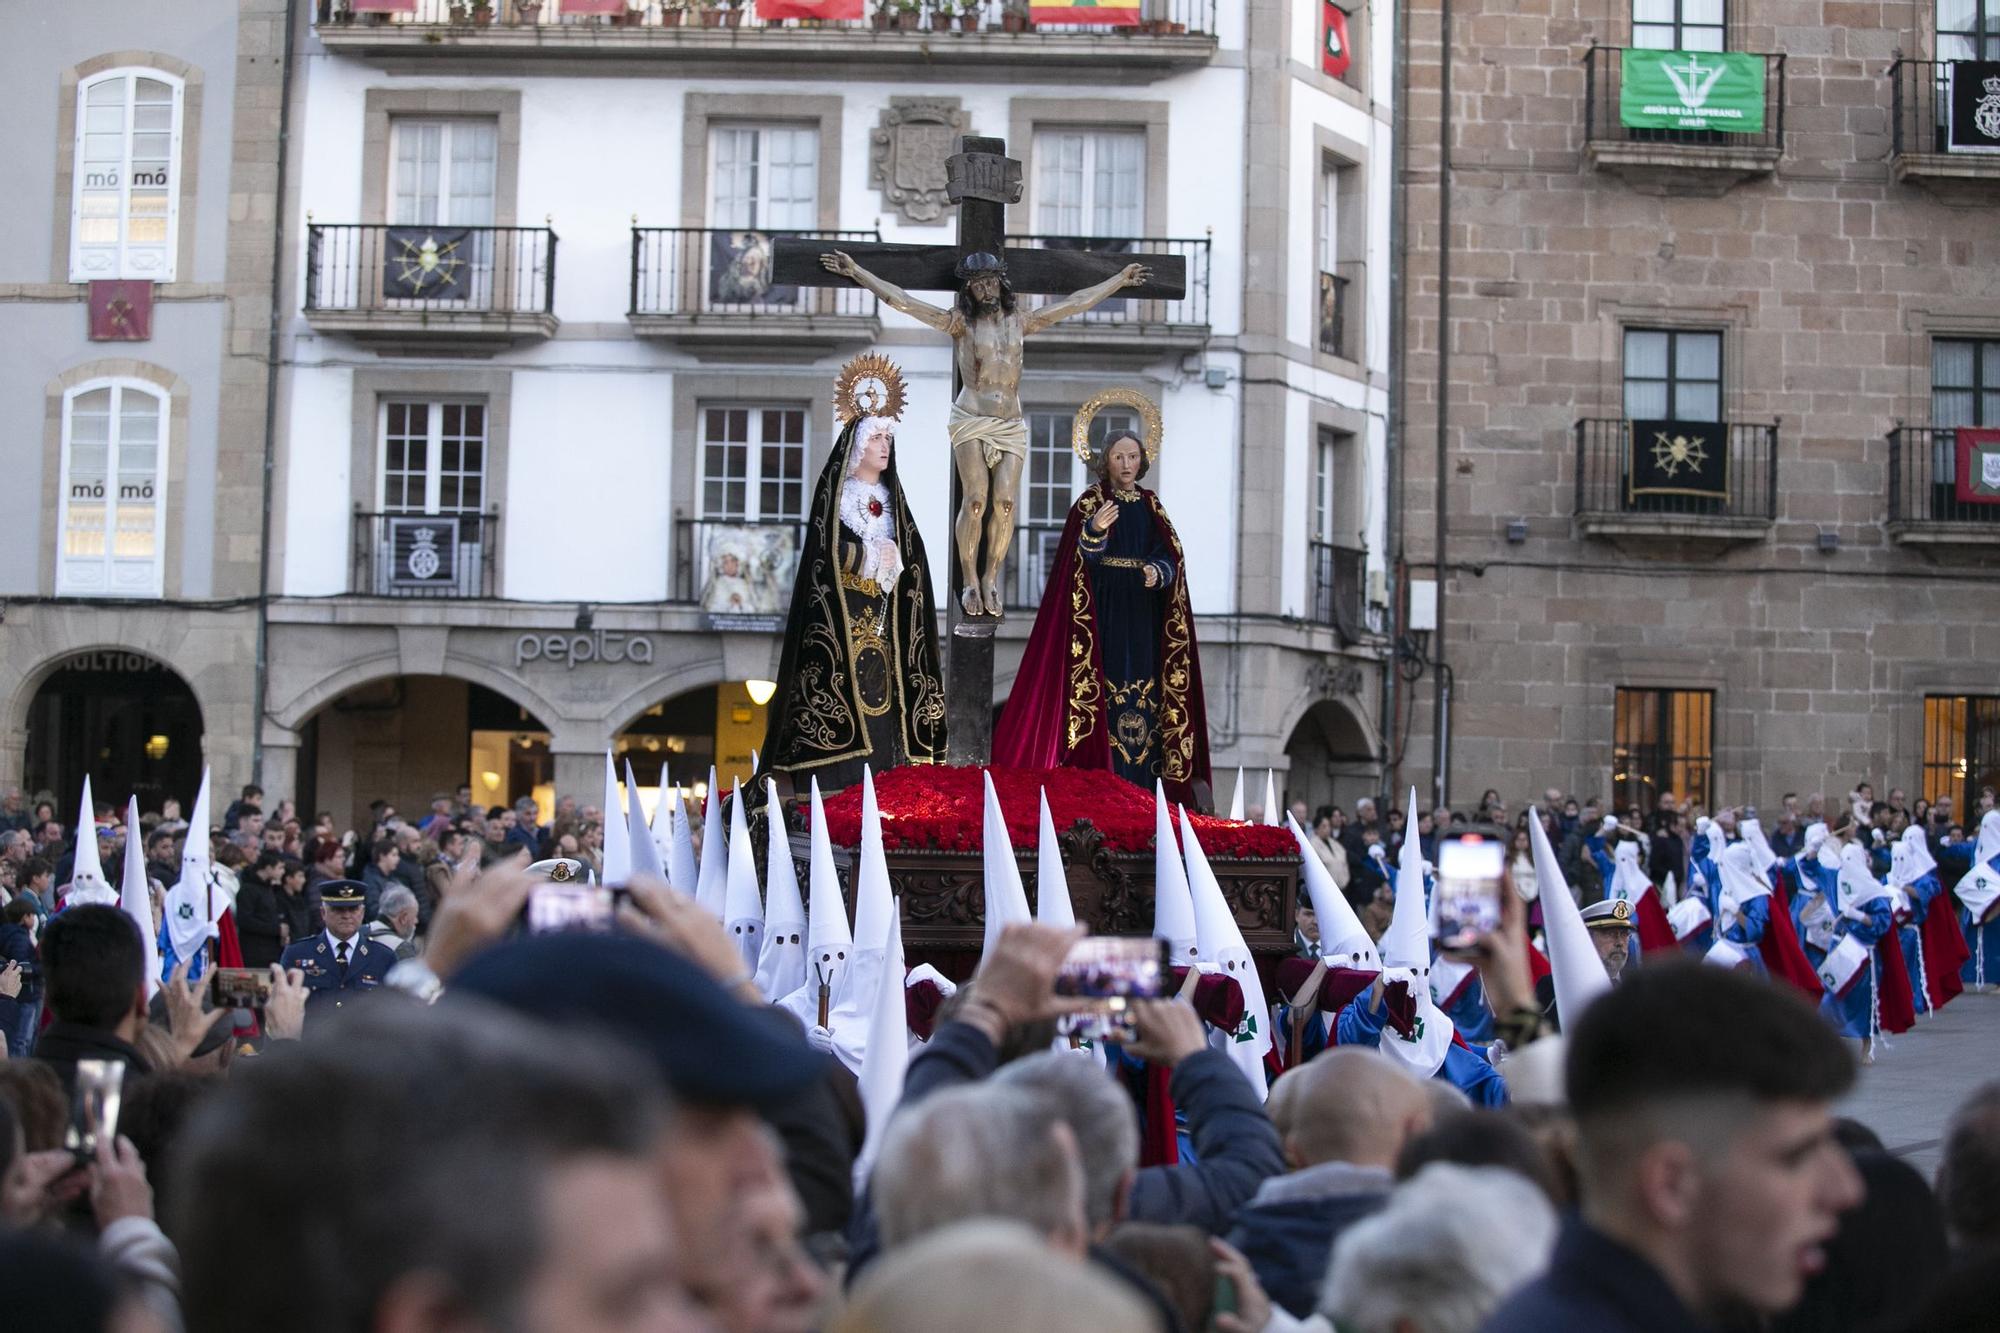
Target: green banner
<point x="1692" y="90"/>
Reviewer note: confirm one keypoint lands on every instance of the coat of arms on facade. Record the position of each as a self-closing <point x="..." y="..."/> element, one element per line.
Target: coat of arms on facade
<point x="1986" y="116"/>
<point x="907" y="153"/>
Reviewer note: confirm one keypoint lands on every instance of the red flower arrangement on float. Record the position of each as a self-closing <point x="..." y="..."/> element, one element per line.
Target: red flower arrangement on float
<point x="931" y="808"/>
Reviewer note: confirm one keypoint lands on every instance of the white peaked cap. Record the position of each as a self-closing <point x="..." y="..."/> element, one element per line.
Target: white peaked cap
<point x="645" y="853"/>
<point x="1271" y="797"/>
<point x="743" y="906"/>
<point x="711" y="888"/>
<point x="1006" y="900"/>
<point x="827" y="922"/>
<point x="1407" y="941"/>
<point x="1222" y="946"/>
<point x="886" y="1059"/>
<point x="781" y="967"/>
<point x="88" y="870"/>
<point x="1343" y="942"/>
<point x="134" y="896"/>
<point x="617" y="833"/>
<point x="1574" y="967"/>
<point x="874" y="900"/>
<point x="1052" y="904"/>
<point x="1173" y="901"/>
<point x="682" y="872"/>
<point x="1236" y="798"/>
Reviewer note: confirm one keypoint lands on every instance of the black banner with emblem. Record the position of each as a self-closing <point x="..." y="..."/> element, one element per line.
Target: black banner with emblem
<point x="423" y="550"/>
<point x="427" y="263"/>
<point x="1678" y="458"/>
<point x="1975" y="107"/>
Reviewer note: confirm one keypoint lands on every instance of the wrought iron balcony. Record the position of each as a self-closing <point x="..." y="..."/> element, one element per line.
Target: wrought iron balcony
<point x="1343" y="306"/>
<point x="1922" y="147"/>
<point x="1336" y="575"/>
<point x="1172" y="35"/>
<point x="431" y="284"/>
<point x="1699" y="161"/>
<point x="1030" y="561"/>
<point x="425" y="555"/>
<point x="1123" y="323"/>
<point x="712" y="286"/>
<point x="1610" y="504"/>
<point x="1925" y="508"/>
<point x="737" y="570"/>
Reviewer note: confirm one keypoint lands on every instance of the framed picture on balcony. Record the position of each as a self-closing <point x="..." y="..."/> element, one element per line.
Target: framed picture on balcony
<point x="423" y="550"/>
<point x="739" y="271"/>
<point x="1689" y="459"/>
<point x="1978" y="465"/>
<point x="747" y="571"/>
<point x="1975" y="107"/>
<point x="427" y="263"/>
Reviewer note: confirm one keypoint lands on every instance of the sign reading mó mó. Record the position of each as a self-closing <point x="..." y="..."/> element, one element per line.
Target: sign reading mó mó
<point x="579" y="649"/>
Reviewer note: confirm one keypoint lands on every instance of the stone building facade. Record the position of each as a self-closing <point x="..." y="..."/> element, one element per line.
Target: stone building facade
<point x="1818" y="296"/>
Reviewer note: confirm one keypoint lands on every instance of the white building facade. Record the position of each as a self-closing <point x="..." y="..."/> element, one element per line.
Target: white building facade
<point x="546" y="429"/>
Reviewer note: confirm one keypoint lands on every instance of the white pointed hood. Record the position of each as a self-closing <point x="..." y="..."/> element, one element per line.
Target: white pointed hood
<point x="1628" y="881"/>
<point x="743" y="907"/>
<point x="135" y="896"/>
<point x="682" y="870"/>
<point x="1988" y="846"/>
<point x="712" y="880"/>
<point x="874" y="900"/>
<point x="1574" y="967"/>
<point x="645" y="853"/>
<point x="1006" y="900"/>
<point x="1052" y="904"/>
<point x="1343" y="941"/>
<point x="829" y="956"/>
<point x="1858" y="884"/>
<point x="617" y="831"/>
<point x="781" y="967"/>
<point x="1223" y="950"/>
<point x="887" y="1060"/>
<point x="1236" y="797"/>
<point x="201" y="895"/>
<point x="1762" y="858"/>
<point x="1910" y="860"/>
<point x="87" y="884"/>
<point x="1173" y="903"/>
<point x="1406" y="957"/>
<point x="1271" y="797"/>
<point x="1739" y="879"/>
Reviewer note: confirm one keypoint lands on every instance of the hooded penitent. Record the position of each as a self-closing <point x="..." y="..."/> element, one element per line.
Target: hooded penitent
<point x="1173" y="903"/>
<point x="645" y="852"/>
<point x="1220" y="945"/>
<point x="743" y="907"/>
<point x="829" y="942"/>
<point x="1574" y="968"/>
<point x="201" y="895"/>
<point x="781" y="967"/>
<point x="1006" y="900"/>
<point x="87" y="884"/>
<point x="682" y="870"/>
<point x="135" y="897"/>
<point x="888" y="1052"/>
<point x="712" y="880"/>
<point x="1052" y="904"/>
<point x="1416" y="1032"/>
<point x="617" y="831"/>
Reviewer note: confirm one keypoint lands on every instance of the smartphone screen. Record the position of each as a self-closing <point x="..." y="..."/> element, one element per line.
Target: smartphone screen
<point x="239" y="988"/>
<point x="94" y="1105"/>
<point x="555" y="907"/>
<point x="1468" y="890"/>
<point x="1111" y="971"/>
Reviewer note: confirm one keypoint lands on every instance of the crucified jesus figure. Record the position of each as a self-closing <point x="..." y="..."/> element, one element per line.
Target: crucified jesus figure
<point x="989" y="437"/>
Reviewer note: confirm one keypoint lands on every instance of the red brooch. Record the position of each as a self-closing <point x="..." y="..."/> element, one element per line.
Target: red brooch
<point x="874" y="509"/>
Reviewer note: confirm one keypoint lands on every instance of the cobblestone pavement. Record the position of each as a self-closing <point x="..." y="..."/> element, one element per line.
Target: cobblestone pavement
<point x="1910" y="1091"/>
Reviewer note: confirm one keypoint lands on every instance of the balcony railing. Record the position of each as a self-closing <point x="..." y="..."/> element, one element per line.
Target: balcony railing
<point x="1604" y="478"/>
<point x="724" y="274"/>
<point x="424" y="555"/>
<point x="1921" y="130"/>
<point x="1189" y="315"/>
<point x="1923" y="482"/>
<point x="1029" y="564"/>
<point x="1612" y="143"/>
<point x="1337" y="574"/>
<point x="736" y="567"/>
<point x="1160" y="18"/>
<point x="431" y="270"/>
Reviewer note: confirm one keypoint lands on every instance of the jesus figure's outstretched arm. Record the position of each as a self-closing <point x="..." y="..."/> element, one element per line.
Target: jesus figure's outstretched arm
<point x="944" y="321"/>
<point x="1055" y="312"/>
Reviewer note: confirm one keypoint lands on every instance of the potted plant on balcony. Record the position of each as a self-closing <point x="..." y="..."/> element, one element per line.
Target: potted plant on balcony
<point x="460" y="11"/>
<point x="671" y="12"/>
<point x="1013" y="18"/>
<point x="528" y="12"/>
<point x="968" y="15"/>
<point x="482" y="12"/>
<point x="909" y="15"/>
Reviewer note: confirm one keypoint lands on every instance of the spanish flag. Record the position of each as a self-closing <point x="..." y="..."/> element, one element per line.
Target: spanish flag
<point x="1108" y="12"/>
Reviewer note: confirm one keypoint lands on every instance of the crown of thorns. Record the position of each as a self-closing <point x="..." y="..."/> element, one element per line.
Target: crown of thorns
<point x="980" y="264"/>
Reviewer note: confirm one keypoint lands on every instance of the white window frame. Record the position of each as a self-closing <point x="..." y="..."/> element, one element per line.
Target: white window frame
<point x="433" y="453"/>
<point x="1325" y="492"/>
<point x="448" y="125"/>
<point x="753" y="468"/>
<point x="121" y="266"/>
<point x="759" y="200"/>
<point x="1328" y="216"/>
<point x="66" y="586"/>
<point x="1093" y="140"/>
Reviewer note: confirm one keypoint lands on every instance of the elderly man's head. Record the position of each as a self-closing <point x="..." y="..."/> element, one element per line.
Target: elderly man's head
<point x="980" y="1152"/>
<point x="987" y="1276"/>
<point x="1099" y="1116"/>
<point x="1352" y="1104"/>
<point x="399" y="909"/>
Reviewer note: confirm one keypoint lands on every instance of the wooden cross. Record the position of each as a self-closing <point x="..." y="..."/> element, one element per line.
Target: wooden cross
<point x="981" y="180"/>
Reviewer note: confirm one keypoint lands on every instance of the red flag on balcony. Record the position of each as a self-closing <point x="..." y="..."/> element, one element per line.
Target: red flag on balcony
<point x="1978" y="466"/>
<point x="593" y="6"/>
<point x="809" y="9"/>
<point x="384" y="6"/>
<point x="1108" y="12"/>
<point x="1334" y="57"/>
<point x="121" y="311"/>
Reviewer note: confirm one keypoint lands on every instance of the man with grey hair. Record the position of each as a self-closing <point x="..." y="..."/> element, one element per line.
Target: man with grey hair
<point x="1099" y="1115"/>
<point x="1450" y="1245"/>
<point x="980" y="1152"/>
<point x="396" y="927"/>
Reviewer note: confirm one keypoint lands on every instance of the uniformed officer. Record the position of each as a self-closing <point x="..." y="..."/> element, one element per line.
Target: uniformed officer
<point x="340" y="962"/>
<point x="1611" y="925"/>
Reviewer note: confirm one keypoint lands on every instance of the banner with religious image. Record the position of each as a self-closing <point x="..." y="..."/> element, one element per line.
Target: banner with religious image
<point x="1691" y="90"/>
<point x="739" y="270"/>
<point x="1973" y="124"/>
<point x="1334" y="55"/>
<point x="427" y="263"/>
<point x="1978" y="465"/>
<point x="746" y="572"/>
<point x="1689" y="458"/>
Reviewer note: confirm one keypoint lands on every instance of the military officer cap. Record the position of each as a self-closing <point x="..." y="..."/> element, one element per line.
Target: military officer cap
<point x="1611" y="914"/>
<point x="343" y="893"/>
<point x="563" y="870"/>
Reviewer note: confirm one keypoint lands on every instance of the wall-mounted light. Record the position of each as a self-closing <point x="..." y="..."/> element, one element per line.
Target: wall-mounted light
<point x="490" y="778"/>
<point x="585" y="618"/>
<point x="1829" y="542"/>
<point x="761" y="691"/>
<point x="1517" y="531"/>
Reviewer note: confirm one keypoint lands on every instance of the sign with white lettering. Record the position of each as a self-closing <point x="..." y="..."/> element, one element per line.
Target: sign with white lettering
<point x="584" y="648"/>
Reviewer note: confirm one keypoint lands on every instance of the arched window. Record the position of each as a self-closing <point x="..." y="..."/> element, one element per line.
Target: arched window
<point x="114" y="482"/>
<point x="126" y="210"/>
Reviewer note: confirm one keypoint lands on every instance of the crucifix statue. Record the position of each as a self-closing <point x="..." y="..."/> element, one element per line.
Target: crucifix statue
<point x="989" y="435"/>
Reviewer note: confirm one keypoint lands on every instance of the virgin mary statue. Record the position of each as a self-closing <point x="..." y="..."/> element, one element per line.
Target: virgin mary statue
<point x="858" y="681"/>
<point x="1111" y="677"/>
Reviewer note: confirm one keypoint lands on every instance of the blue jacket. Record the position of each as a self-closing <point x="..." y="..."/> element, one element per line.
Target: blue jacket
<point x="327" y="987"/>
<point x="1593" y="1283"/>
<point x="1288" y="1242"/>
